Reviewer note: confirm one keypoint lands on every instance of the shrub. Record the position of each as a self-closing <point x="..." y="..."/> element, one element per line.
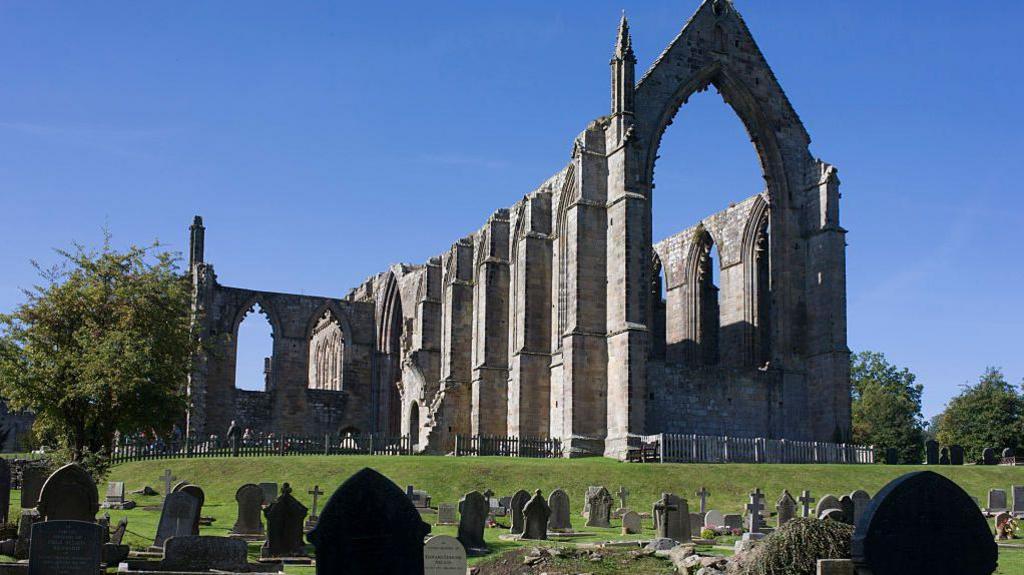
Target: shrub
<point x="707" y="533"/>
<point x="796" y="547"/>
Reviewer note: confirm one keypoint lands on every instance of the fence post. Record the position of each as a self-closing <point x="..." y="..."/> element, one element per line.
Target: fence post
<point x="661" y="448"/>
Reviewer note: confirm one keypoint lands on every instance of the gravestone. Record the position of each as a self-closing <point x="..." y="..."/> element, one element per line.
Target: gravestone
<point x="631" y="523"/>
<point x="5" y="491"/>
<point x="755" y="521"/>
<point x="785" y="507"/>
<point x="805" y="502"/>
<point x="369" y="526"/>
<point x="733" y="521"/>
<point x="444" y="555"/>
<point x="1018" y="500"/>
<point x="989" y="457"/>
<point x="420" y="499"/>
<point x="827" y="502"/>
<point x="179" y="514"/>
<point x="269" y="492"/>
<point x="672" y="518"/>
<point x="696" y="524"/>
<point x="314" y="515"/>
<point x="834" y="515"/>
<point x="535" y="516"/>
<point x="167" y="479"/>
<point x="118" y="533"/>
<point x="29" y="517"/>
<point x="65" y="547"/>
<point x="1009" y="452"/>
<point x="703" y="495"/>
<point x="623" y="494"/>
<point x="516" y="508"/>
<point x="473" y="509"/>
<point x="69" y="494"/>
<point x="924" y="523"/>
<point x="956" y="455"/>
<point x="250" y="501"/>
<point x="591" y="491"/>
<point x="861" y="500"/>
<point x="446" y="514"/>
<point x="892" y="456"/>
<point x="560" y="519"/>
<point x="32" y="479"/>
<point x="203" y="553"/>
<point x="944" y="456"/>
<point x="600" y="509"/>
<point x="846" y="504"/>
<point x="285" y="518"/>
<point x="997" y="500"/>
<point x="931" y="452"/>
<point x="713" y="519"/>
<point x="115" y="495"/>
<point x="200" y="497"/>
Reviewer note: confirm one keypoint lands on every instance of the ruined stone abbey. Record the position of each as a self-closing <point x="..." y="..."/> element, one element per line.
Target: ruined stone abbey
<point x="560" y="316"/>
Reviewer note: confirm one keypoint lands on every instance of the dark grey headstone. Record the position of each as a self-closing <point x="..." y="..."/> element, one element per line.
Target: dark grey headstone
<point x="65" y="548"/>
<point x="118" y="533"/>
<point x="250" y="504"/>
<point x="1009" y="452"/>
<point x="369" y="526"/>
<point x="516" y="505"/>
<point x="600" y="514"/>
<point x="29" y="517"/>
<point x="785" y="507"/>
<point x="446" y="514"/>
<point x="536" y="513"/>
<point x="997" y="500"/>
<point x="1018" y="500"/>
<point x="889" y="539"/>
<point x="861" y="500"/>
<point x="944" y="456"/>
<point x="269" y="492"/>
<point x="989" y="457"/>
<point x="473" y="509"/>
<point x="285" y="519"/>
<point x="69" y="494"/>
<point x="5" y="490"/>
<point x="671" y="518"/>
<point x="560" y="519"/>
<point x="848" y="508"/>
<point x="180" y="512"/>
<point x="195" y="553"/>
<point x="200" y="496"/>
<point x="115" y="492"/>
<point x="931" y="452"/>
<point x="32" y="479"/>
<point x="956" y="455"/>
<point x="826" y="503"/>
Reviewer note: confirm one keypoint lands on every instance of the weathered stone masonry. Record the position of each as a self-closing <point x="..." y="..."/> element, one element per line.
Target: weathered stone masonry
<point x="561" y="317"/>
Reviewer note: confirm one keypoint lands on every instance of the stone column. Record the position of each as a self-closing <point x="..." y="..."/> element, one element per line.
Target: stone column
<point x="490" y="328"/>
<point x="453" y="412"/>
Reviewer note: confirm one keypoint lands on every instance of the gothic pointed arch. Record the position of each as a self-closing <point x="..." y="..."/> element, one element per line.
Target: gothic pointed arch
<point x="327" y="335"/>
<point x="757" y="275"/>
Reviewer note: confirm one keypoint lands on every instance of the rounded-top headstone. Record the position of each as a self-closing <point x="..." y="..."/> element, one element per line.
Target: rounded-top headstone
<point x="69" y="494"/>
<point x="924" y="523"/>
<point x="444" y="555"/>
<point x="1009" y="452"/>
<point x="713" y="519"/>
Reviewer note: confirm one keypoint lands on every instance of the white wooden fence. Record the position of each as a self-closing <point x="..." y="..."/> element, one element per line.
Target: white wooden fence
<point x="682" y="448"/>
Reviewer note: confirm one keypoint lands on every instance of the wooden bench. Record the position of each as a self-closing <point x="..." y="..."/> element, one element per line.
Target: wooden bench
<point x="645" y="453"/>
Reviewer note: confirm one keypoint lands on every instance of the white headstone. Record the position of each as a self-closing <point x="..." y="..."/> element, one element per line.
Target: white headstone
<point x="713" y="519"/>
<point x="444" y="555"/>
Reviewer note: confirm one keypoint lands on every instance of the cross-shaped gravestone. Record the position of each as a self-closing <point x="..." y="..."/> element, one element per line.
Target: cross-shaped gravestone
<point x="806" y="500"/>
<point x="316" y="493"/>
<point x="754" y="508"/>
<point x="167" y="478"/>
<point x="703" y="494"/>
<point x="662" y="509"/>
<point x="623" y="494"/>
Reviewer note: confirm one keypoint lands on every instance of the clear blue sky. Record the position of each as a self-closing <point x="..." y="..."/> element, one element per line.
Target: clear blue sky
<point x="323" y="141"/>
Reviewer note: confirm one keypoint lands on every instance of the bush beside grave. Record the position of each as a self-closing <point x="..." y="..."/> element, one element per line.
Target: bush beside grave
<point x="796" y="547"/>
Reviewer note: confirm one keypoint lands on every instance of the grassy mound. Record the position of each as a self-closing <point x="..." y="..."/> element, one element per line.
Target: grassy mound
<point x="796" y="547"/>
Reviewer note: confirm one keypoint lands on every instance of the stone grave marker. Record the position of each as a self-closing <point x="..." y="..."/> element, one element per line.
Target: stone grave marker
<point x="944" y="456"/>
<point x="203" y="553"/>
<point x="785" y="507"/>
<point x="754" y="519"/>
<point x="931" y="452"/>
<point x="200" y="497"/>
<point x="672" y="518"/>
<point x="115" y="493"/>
<point x="600" y="509"/>
<point x="446" y="514"/>
<point x="560" y="519"/>
<point x="733" y="521"/>
<point x="285" y="518"/>
<point x="827" y="502"/>
<point x="846" y="505"/>
<point x="892" y="456"/>
<point x="5" y="491"/>
<point x="69" y="494"/>
<point x="591" y="491"/>
<point x="420" y="499"/>
<point x="988" y="457"/>
<point x="805" y="502"/>
<point x="956" y="540"/>
<point x="167" y="479"/>
<point x="703" y="495"/>
<point x="956" y="455"/>
<point x="369" y="526"/>
<point x="117" y="535"/>
<point x="250" y="501"/>
<point x="65" y="547"/>
<point x="696" y="524"/>
<point x="177" y="518"/>
<point x="536" y="513"/>
<point x="833" y="514"/>
<point x="623" y="494"/>
<point x="1009" y="452"/>
<point x="32" y="478"/>
<point x="473" y="511"/>
<point x="997" y="500"/>
<point x="861" y="500"/>
<point x="1018" y="500"/>
<point x="519" y="501"/>
<point x="631" y="523"/>
<point x="444" y="555"/>
<point x="314" y="516"/>
<point x="713" y="519"/>
<point x="269" y="492"/>
<point x="29" y="517"/>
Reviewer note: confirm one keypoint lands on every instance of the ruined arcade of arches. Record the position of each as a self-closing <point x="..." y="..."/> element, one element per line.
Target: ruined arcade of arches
<point x="561" y="317"/>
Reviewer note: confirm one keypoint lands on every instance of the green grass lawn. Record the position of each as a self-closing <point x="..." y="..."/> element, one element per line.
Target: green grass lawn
<point x="448" y="478"/>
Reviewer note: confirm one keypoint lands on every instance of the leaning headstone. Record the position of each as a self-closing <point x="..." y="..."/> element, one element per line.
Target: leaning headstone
<point x="32" y="478"/>
<point x="889" y="540"/>
<point x="194" y="553"/>
<point x="446" y="514"/>
<point x="861" y="500"/>
<point x="931" y="452"/>
<point x="285" y="518"/>
<point x="250" y="501"/>
<point x="989" y="457"/>
<point x="535" y="517"/>
<point x="825" y="503"/>
<point x="179" y="514"/>
<point x="785" y="507"/>
<point x="631" y="523"/>
<point x="560" y="520"/>
<point x="517" y="503"/>
<point x="63" y="547"/>
<point x="1018" y="500"/>
<point x="117" y="535"/>
<point x="956" y="455"/>
<point x="473" y="511"/>
<point x="369" y="526"/>
<point x="269" y="492"/>
<point x="997" y="500"/>
<point x="444" y="555"/>
<point x="672" y="518"/>
<point x="713" y="519"/>
<point x="600" y="509"/>
<point x="69" y="494"/>
<point x="5" y="491"/>
<point x="200" y="496"/>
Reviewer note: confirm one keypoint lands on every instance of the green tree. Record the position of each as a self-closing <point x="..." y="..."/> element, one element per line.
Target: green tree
<point x="886" y="406"/>
<point x="101" y="346"/>
<point x="987" y="414"/>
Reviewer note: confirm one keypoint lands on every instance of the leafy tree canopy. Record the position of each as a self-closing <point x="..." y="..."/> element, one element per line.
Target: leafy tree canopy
<point x="989" y="413"/>
<point x="886" y="406"/>
<point x="102" y="345"/>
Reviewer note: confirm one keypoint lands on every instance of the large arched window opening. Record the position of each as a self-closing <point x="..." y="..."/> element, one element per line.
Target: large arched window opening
<point x="254" y="351"/>
<point x="707" y="308"/>
<point x="389" y="377"/>
<point x="327" y="354"/>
